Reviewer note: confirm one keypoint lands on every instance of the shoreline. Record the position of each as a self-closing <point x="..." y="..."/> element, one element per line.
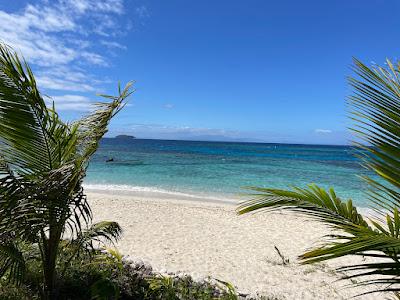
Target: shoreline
<point x="154" y="193"/>
<point x="205" y="238"/>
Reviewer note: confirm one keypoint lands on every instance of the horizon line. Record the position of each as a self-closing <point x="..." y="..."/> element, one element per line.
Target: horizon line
<point x="231" y="141"/>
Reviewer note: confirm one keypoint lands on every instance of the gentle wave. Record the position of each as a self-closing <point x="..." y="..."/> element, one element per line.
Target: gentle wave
<point x="145" y="189"/>
<point x="364" y="210"/>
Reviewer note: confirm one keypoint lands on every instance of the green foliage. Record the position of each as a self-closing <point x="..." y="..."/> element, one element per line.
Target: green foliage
<point x="9" y="291"/>
<point x="49" y="248"/>
<point x="375" y="110"/>
<point x="184" y="288"/>
<point x="43" y="161"/>
<point x="108" y="276"/>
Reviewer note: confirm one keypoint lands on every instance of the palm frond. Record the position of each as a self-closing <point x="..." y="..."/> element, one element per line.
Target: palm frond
<point x="104" y="231"/>
<point x="93" y="127"/>
<point x="19" y="212"/>
<point x="42" y="164"/>
<point x="314" y="201"/>
<point x="11" y="259"/>
<point x="375" y="106"/>
<point x="376" y="112"/>
<point x="89" y="242"/>
<point x="328" y="209"/>
<point x="101" y="233"/>
<point x="24" y="140"/>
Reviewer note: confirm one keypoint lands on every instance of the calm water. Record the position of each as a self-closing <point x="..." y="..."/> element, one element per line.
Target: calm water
<point x="217" y="169"/>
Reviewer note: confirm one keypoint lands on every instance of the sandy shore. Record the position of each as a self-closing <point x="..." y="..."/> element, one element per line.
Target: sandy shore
<point x="209" y="239"/>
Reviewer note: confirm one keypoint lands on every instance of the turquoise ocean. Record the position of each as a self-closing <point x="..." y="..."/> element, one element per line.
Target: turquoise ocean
<point x="220" y="170"/>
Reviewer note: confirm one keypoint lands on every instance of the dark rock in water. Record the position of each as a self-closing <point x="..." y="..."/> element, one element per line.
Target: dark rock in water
<point x="125" y="137"/>
<point x="110" y="159"/>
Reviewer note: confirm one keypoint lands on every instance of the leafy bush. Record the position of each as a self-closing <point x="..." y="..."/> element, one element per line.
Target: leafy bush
<point x="107" y="275"/>
<point x="9" y="291"/>
<point x="185" y="288"/>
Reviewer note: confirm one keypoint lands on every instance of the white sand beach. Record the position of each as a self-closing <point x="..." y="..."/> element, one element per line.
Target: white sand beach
<point x="209" y="239"/>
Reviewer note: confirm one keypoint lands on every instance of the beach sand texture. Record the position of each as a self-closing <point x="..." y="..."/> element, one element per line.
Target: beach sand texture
<point x="209" y="239"/>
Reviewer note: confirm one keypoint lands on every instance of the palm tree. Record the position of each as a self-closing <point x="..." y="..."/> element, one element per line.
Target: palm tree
<point x="375" y="111"/>
<point x="43" y="161"/>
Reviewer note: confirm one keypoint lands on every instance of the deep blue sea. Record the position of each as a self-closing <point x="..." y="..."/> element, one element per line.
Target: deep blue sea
<point x="221" y="169"/>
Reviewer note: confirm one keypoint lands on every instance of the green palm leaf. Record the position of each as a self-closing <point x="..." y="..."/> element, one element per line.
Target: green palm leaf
<point x="375" y="110"/>
<point x="24" y="139"/>
<point x="87" y="242"/>
<point x="101" y="232"/>
<point x="93" y="127"/>
<point x="11" y="260"/>
<point x="314" y="201"/>
<point x="42" y="164"/>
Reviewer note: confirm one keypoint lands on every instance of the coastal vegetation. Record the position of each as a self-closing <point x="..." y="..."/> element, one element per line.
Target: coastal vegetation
<point x="49" y="246"/>
<point x="45" y="219"/>
<point x="375" y="111"/>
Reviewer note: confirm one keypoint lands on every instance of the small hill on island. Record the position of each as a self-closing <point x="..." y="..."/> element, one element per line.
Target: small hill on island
<point x="125" y="137"/>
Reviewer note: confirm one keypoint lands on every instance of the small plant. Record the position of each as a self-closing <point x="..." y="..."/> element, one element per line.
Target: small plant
<point x="184" y="288"/>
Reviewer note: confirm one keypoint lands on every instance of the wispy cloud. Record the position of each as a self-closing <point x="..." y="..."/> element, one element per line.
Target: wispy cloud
<point x="176" y="132"/>
<point x="180" y="132"/>
<point x="71" y="102"/>
<point x="168" y="106"/>
<point x="56" y="37"/>
<point x="113" y="45"/>
<point x="142" y="12"/>
<point x="47" y="34"/>
<point x="323" y="131"/>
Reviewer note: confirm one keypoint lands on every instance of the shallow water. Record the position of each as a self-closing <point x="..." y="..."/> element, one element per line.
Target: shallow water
<point x="220" y="170"/>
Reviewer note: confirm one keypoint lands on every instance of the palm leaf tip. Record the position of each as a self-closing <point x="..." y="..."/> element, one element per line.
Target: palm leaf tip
<point x="93" y="127"/>
<point x="108" y="231"/>
<point x="314" y="201"/>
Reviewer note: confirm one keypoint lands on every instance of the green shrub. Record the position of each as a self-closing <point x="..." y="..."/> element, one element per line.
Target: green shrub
<point x="10" y="291"/>
<point x="107" y="275"/>
<point x="185" y="288"/>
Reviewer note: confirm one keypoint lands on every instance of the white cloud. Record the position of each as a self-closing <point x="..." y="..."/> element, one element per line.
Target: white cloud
<point x="71" y="102"/>
<point x="113" y="45"/>
<point x="151" y="130"/>
<point x="323" y="131"/>
<point x="94" y="58"/>
<point x="168" y="106"/>
<point x="60" y="84"/>
<point x="65" y="78"/>
<point x="142" y="12"/>
<point x="56" y="38"/>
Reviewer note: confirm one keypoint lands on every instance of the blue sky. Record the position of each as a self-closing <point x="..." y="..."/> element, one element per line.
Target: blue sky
<point x="271" y="71"/>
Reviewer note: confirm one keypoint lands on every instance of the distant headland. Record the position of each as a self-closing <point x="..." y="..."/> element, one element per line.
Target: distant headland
<point x="125" y="136"/>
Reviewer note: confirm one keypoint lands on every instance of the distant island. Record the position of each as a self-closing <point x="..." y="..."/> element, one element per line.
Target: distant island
<point x="125" y="136"/>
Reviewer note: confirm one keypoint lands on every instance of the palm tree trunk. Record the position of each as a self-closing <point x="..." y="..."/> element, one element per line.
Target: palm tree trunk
<point x="49" y="263"/>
